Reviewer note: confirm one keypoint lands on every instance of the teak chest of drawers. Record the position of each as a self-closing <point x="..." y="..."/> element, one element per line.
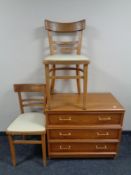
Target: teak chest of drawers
<point x="74" y="132"/>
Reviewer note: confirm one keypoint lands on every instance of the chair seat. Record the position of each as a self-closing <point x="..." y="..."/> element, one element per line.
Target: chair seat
<point x="63" y="58"/>
<point x="28" y="122"/>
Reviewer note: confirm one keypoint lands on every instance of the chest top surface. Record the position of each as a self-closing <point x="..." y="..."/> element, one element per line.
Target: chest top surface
<point x="95" y="102"/>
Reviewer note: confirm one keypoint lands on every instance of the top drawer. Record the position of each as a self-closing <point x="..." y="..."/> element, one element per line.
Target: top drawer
<point x="84" y="119"/>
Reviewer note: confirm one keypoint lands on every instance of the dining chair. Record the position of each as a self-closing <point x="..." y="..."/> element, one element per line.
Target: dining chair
<point x="65" y="42"/>
<point x="30" y="122"/>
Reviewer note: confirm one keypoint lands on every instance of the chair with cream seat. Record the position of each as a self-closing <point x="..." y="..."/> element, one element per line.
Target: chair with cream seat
<point x="65" y="40"/>
<point x="28" y="123"/>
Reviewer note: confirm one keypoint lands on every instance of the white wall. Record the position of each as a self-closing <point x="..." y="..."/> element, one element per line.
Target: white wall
<point x="107" y="41"/>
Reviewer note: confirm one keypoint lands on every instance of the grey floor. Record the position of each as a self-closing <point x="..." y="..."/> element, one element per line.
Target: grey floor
<point x="29" y="162"/>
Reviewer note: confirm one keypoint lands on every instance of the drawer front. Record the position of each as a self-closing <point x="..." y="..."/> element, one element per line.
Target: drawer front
<point x="83" y="134"/>
<point x="83" y="147"/>
<point x="84" y="119"/>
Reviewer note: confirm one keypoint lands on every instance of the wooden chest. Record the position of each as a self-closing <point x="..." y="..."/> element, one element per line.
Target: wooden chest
<point x="74" y="132"/>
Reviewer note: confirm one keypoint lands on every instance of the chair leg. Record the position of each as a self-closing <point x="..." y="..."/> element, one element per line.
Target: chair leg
<point x="53" y="80"/>
<point x="78" y="80"/>
<point x="85" y="85"/>
<point x="43" y="139"/>
<point x="12" y="150"/>
<point x="47" y="84"/>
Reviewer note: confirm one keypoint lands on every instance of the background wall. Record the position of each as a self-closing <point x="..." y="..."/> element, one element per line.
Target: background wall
<point x="23" y="45"/>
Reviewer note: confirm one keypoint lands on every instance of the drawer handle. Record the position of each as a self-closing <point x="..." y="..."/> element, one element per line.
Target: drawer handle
<point x="102" y="134"/>
<point x="64" y="134"/>
<point x="65" y="119"/>
<point x="101" y="147"/>
<point x="104" y="118"/>
<point x="65" y="148"/>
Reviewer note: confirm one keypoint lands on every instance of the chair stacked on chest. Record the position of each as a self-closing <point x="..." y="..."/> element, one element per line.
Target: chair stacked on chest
<point x="65" y="41"/>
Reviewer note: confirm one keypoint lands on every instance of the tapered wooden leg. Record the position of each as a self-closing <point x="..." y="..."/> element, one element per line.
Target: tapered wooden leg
<point x="85" y="85"/>
<point x="53" y="80"/>
<point x="43" y="138"/>
<point x="47" y="84"/>
<point x="12" y="150"/>
<point x="78" y="80"/>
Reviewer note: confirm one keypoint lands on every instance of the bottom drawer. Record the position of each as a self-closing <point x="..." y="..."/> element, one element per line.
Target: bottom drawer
<point x="83" y="147"/>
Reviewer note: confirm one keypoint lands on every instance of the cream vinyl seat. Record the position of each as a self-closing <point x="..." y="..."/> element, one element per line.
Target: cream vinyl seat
<point x="66" y="57"/>
<point x="28" y="122"/>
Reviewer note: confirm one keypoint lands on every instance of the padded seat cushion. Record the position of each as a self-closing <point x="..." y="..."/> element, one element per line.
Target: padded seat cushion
<point x="66" y="57"/>
<point x="27" y="122"/>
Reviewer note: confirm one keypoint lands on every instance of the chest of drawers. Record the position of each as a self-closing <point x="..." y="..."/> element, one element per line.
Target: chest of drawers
<point x="74" y="132"/>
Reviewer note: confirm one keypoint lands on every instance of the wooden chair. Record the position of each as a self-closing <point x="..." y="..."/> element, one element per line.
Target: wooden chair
<point x="28" y="123"/>
<point x="65" y="51"/>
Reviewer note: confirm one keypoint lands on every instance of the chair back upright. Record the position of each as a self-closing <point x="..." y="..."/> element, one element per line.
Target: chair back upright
<point x="65" y="37"/>
<point x="27" y="98"/>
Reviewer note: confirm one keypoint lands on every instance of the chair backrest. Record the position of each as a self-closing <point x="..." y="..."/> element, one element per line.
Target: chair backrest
<point x="26" y="95"/>
<point x="74" y="32"/>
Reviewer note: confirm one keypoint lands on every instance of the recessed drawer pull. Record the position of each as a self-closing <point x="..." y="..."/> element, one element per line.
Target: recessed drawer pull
<point x="65" y="119"/>
<point x="101" y="147"/>
<point x="102" y="134"/>
<point x="64" y="134"/>
<point x="65" y="148"/>
<point x="104" y="118"/>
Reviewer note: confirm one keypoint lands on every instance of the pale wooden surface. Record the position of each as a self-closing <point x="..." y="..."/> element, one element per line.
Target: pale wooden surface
<point x="74" y="102"/>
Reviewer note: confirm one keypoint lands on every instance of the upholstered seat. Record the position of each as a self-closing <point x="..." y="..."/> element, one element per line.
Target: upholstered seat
<point x="66" y="57"/>
<point x="28" y="122"/>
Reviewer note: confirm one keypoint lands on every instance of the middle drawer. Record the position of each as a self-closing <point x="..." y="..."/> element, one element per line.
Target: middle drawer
<point x="83" y="133"/>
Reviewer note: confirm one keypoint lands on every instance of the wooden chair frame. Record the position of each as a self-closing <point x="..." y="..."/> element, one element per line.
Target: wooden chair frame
<point x="28" y="102"/>
<point x="72" y="27"/>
